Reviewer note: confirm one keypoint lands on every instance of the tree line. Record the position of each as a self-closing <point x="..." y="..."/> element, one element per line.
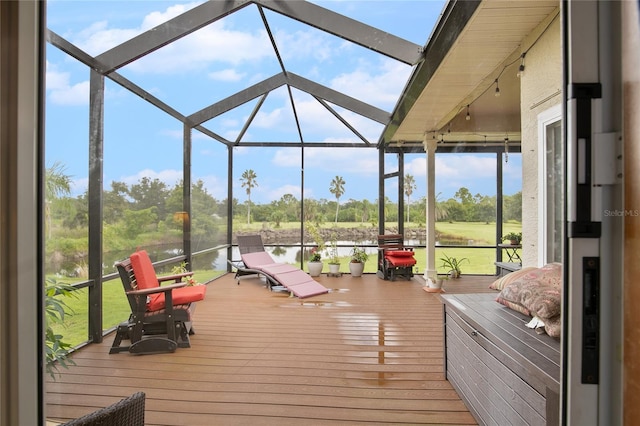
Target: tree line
<point x="462" y="207"/>
<point x="152" y="211"/>
<point x="152" y="205"/>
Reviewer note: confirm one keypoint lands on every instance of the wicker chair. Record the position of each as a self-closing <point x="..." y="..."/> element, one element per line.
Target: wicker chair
<point x="126" y="412"/>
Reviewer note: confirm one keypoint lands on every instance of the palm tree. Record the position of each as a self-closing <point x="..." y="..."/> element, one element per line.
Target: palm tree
<point x="409" y="187"/>
<point x="441" y="208"/>
<point x="57" y="184"/>
<point x="337" y="189"/>
<point x="248" y="180"/>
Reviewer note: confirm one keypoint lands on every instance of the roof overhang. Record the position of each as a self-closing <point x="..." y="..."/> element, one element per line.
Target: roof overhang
<point x="474" y="44"/>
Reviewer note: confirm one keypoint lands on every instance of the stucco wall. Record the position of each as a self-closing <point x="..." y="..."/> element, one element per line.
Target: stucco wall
<point x="540" y="90"/>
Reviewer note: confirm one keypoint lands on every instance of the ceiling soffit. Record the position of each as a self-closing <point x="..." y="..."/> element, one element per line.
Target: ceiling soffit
<point x="484" y="47"/>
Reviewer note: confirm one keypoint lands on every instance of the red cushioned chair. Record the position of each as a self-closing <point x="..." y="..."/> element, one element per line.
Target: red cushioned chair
<point x="394" y="259"/>
<point x="161" y="316"/>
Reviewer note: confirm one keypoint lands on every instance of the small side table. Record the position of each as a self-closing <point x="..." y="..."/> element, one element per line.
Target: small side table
<point x="512" y="251"/>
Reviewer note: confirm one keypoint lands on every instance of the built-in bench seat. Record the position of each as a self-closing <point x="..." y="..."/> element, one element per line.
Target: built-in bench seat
<point x="507" y="267"/>
<point x="505" y="372"/>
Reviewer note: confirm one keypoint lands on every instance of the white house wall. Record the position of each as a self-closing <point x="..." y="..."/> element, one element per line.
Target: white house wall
<point x="540" y="89"/>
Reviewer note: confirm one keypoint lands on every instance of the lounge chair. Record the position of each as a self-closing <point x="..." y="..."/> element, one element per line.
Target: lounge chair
<point x="279" y="276"/>
<point x="394" y="259"/>
<point x="248" y="244"/>
<point x="161" y="316"/>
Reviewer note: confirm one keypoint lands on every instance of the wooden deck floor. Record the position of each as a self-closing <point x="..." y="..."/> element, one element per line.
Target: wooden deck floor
<point x="369" y="352"/>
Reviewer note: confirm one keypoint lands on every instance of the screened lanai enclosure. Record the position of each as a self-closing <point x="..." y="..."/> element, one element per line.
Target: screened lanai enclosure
<point x="179" y="127"/>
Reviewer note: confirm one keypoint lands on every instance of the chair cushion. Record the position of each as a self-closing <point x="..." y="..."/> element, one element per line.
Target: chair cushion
<point x="143" y="270"/>
<point x="257" y="259"/>
<point x="399" y="253"/>
<point x="180" y="296"/>
<point x="400" y="261"/>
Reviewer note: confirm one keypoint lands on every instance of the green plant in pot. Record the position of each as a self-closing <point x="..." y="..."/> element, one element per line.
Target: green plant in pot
<point x="358" y="258"/>
<point x="514" y="238"/>
<point x="334" y="259"/>
<point x="452" y="264"/>
<point x="440" y="279"/>
<point x="315" y="265"/>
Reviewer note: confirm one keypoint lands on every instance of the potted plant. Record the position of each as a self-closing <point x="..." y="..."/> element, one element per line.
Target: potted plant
<point x="314" y="264"/>
<point x="334" y="259"/>
<point x="514" y="238"/>
<point x="358" y="258"/>
<point x="440" y="279"/>
<point x="452" y="264"/>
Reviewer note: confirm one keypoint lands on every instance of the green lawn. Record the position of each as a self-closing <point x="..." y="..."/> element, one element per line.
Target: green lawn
<point x="480" y="232"/>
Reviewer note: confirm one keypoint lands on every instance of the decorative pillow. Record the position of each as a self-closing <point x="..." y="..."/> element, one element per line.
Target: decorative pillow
<point x="551" y="274"/>
<point x="511" y="277"/>
<point x="541" y="300"/>
<point x="552" y="326"/>
<point x="537" y="291"/>
<point x="512" y="305"/>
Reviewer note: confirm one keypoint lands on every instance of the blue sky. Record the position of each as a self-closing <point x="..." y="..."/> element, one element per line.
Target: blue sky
<point x="221" y="59"/>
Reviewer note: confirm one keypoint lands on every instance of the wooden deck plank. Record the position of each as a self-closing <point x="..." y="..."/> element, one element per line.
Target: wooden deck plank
<point x="368" y="352"/>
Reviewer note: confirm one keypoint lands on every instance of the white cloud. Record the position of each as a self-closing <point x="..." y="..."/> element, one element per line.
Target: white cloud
<point x="156" y="18"/>
<point x="452" y="166"/>
<point x="241" y="150"/>
<point x="417" y="167"/>
<point x="465" y="166"/>
<point x="286" y="158"/>
<point x="216" y="187"/>
<point x="78" y="94"/>
<point x="359" y="161"/>
<point x="377" y="85"/>
<point x="305" y="44"/>
<point x="61" y="91"/>
<point x="169" y="176"/>
<point x="317" y="122"/>
<point x="98" y="38"/>
<point x="54" y="78"/>
<point x="272" y="119"/>
<point x="277" y="193"/>
<point x="79" y="186"/>
<point x="226" y="75"/>
<point x="213" y="43"/>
